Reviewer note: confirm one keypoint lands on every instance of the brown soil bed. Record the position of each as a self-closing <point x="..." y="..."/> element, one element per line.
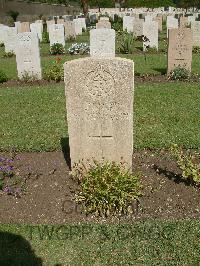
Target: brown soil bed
<point x="48" y="195"/>
<point x="147" y="79"/>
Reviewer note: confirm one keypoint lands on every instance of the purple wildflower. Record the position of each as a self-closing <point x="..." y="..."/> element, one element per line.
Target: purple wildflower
<point x="9" y="168"/>
<point x="8" y="190"/>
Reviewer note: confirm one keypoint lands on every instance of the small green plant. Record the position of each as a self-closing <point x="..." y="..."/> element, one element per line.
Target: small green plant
<point x="196" y="49"/>
<point x="1" y="44"/>
<point x="45" y="37"/>
<point x="8" y="54"/>
<point x="71" y="38"/>
<point x="190" y="170"/>
<point x="151" y="50"/>
<point x="55" y="71"/>
<point x="57" y="48"/>
<point x="27" y="77"/>
<point x="179" y="73"/>
<point x="126" y="43"/>
<point x="3" y="77"/>
<point x="106" y="189"/>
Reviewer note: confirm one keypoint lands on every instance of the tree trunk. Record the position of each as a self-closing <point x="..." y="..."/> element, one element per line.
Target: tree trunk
<point x="85" y="7"/>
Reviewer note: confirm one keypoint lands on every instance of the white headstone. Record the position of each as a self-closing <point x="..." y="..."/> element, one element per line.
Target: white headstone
<point x="69" y="30"/>
<point x="18" y="26"/>
<point x="150" y="31"/>
<point x="2" y="33"/>
<point x="102" y="43"/>
<point x="172" y="23"/>
<point x="104" y="18"/>
<point x="37" y="29"/>
<point x="78" y="26"/>
<point x="128" y="23"/>
<point x="56" y="34"/>
<point x="27" y="55"/>
<point x="49" y="22"/>
<point x="138" y="27"/>
<point x="195" y="26"/>
<point x="10" y="39"/>
<point x="82" y="23"/>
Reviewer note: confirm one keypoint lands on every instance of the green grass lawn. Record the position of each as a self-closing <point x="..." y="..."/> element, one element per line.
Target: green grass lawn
<point x="142" y="243"/>
<point x="34" y="118"/>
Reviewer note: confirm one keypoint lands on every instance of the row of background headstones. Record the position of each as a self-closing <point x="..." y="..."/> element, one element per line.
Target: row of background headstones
<point x="59" y="38"/>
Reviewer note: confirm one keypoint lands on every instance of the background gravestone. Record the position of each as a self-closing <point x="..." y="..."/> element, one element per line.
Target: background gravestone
<point x="37" y="29"/>
<point x="49" y="22"/>
<point x="10" y="39"/>
<point x="195" y="26"/>
<point x="128" y="23"/>
<point x="172" y="23"/>
<point x="78" y="26"/>
<point x="25" y="27"/>
<point x="56" y="34"/>
<point x="27" y="55"/>
<point x="158" y="19"/>
<point x="102" y="43"/>
<point x="69" y="30"/>
<point x="103" y="24"/>
<point x="179" y="49"/>
<point x="150" y="31"/>
<point x="138" y="27"/>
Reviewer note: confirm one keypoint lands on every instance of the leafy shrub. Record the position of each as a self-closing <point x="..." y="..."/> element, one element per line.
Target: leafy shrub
<point x="57" y="48"/>
<point x="79" y="48"/>
<point x="13" y="14"/>
<point x="3" y="77"/>
<point x="196" y="49"/>
<point x="106" y="188"/>
<point x="117" y="23"/>
<point x="190" y="170"/>
<point x="8" y="54"/>
<point x="55" y="71"/>
<point x="179" y="74"/>
<point x="126" y="43"/>
<point x="45" y="37"/>
<point x="1" y="44"/>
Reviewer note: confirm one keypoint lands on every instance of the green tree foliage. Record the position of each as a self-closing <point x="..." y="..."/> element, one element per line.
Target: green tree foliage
<point x="188" y="3"/>
<point x="101" y="3"/>
<point x="148" y="3"/>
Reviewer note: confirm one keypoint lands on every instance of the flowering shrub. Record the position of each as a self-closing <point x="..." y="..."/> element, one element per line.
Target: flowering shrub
<point x="79" y="48"/>
<point x="3" y="77"/>
<point x="106" y="188"/>
<point x="179" y="73"/>
<point x="57" y="48"/>
<point x="10" y="181"/>
<point x="55" y="71"/>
